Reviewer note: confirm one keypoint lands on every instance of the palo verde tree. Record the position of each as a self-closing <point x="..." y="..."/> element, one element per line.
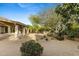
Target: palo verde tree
<point x="36" y="20"/>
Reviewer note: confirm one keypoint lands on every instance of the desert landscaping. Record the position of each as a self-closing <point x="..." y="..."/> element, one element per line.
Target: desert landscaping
<point x="39" y="30"/>
<point x="51" y="47"/>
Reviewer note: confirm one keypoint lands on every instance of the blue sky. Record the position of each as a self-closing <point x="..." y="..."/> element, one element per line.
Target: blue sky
<point x="22" y="11"/>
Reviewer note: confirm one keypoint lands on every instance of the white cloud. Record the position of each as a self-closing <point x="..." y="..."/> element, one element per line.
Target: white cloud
<point x="22" y="5"/>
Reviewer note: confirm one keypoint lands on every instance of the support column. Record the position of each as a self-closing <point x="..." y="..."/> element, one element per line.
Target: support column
<point x="16" y="30"/>
<point x="0" y="30"/>
<point x="27" y="31"/>
<point x="24" y="31"/>
<point x="9" y="30"/>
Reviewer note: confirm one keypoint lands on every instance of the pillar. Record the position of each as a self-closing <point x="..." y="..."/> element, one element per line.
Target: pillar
<point x="27" y="31"/>
<point x="16" y="30"/>
<point x="24" y="31"/>
<point x="0" y="30"/>
<point x="9" y="30"/>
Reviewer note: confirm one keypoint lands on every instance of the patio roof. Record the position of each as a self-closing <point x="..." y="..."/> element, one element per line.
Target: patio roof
<point x="11" y="21"/>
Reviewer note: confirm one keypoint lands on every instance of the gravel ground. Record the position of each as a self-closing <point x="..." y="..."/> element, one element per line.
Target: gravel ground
<point x="51" y="47"/>
<point x="11" y="47"/>
<point x="60" y="48"/>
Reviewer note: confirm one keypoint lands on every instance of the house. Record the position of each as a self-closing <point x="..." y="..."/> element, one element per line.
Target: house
<point x="12" y="27"/>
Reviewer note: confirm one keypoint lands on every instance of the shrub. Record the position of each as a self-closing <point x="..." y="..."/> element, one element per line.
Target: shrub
<point x="31" y="48"/>
<point x="50" y="34"/>
<point x="72" y="31"/>
<point x="71" y="34"/>
<point x="45" y="38"/>
<point x="59" y="36"/>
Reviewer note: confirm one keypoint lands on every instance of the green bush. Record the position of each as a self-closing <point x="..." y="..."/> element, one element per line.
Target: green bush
<point x="71" y="34"/>
<point x="31" y="48"/>
<point x="72" y="31"/>
<point x="60" y="36"/>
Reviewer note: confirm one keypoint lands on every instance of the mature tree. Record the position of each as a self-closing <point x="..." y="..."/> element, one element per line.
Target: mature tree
<point x="68" y="11"/>
<point x="52" y="20"/>
<point x="35" y="19"/>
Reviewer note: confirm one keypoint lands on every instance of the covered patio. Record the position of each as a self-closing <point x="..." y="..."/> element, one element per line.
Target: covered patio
<point x="14" y="27"/>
